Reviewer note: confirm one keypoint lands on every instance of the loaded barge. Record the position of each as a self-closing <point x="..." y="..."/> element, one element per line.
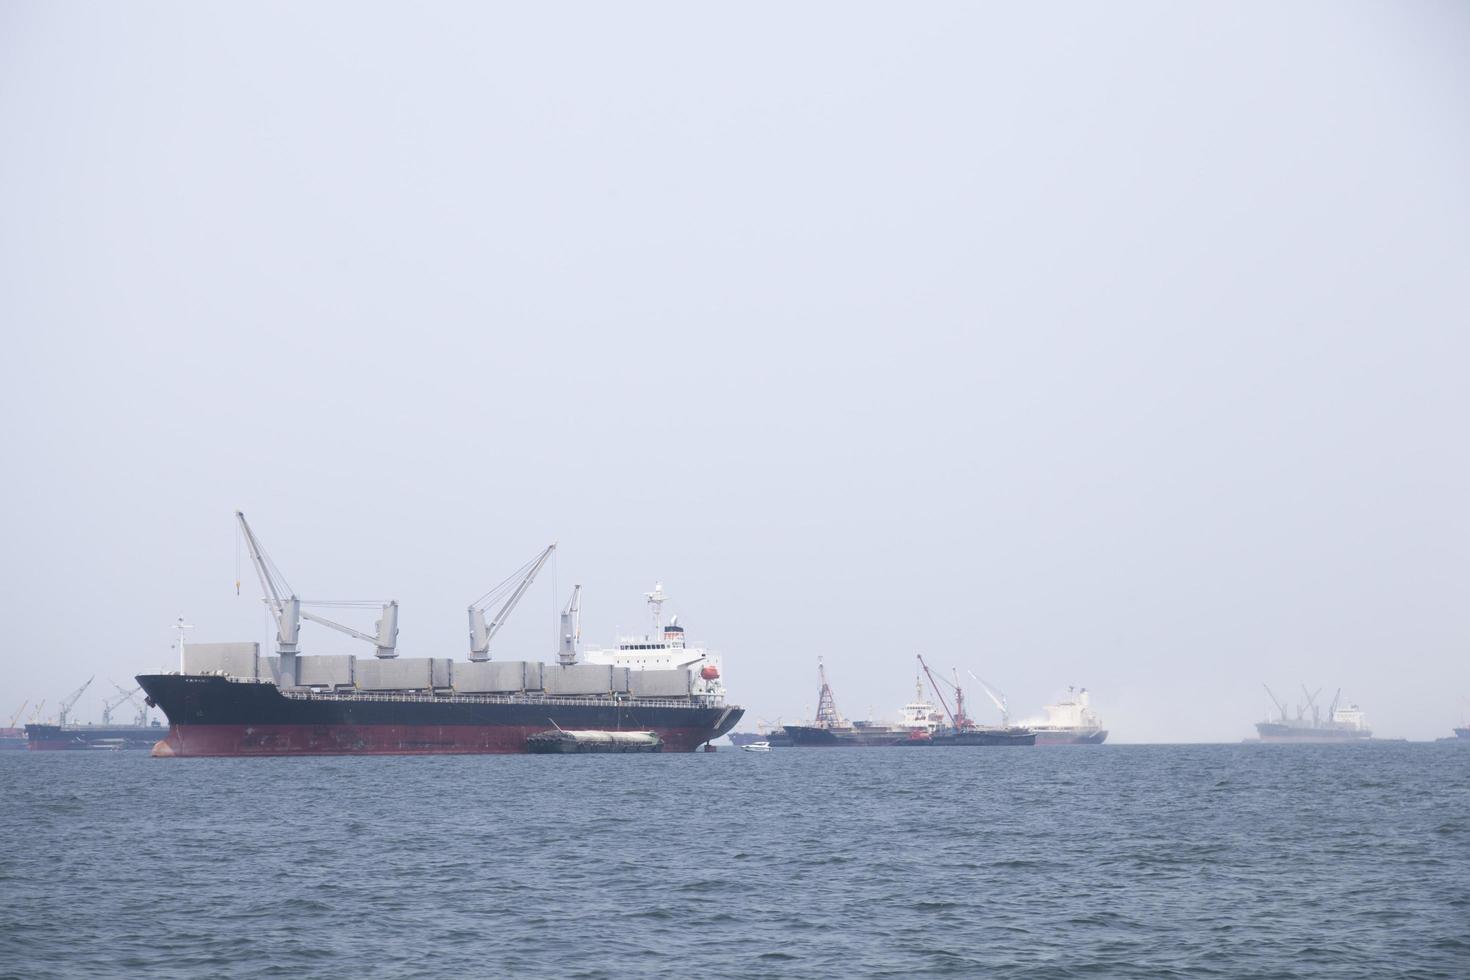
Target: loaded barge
<point x="229" y="700"/>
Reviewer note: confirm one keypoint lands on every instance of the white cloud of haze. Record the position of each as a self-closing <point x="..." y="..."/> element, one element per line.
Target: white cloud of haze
<point x="1113" y="345"/>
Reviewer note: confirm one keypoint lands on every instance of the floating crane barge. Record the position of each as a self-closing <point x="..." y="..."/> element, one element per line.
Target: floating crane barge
<point x="227" y="700"/>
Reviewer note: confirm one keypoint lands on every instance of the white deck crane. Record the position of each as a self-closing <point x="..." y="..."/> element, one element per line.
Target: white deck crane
<point x="571" y="628"/>
<point x="71" y="699"/>
<point x="16" y="717"/>
<point x="507" y="594"/>
<point x="1279" y="706"/>
<point x="1312" y="703"/>
<point x="385" y="641"/>
<point x="286" y="609"/>
<point x="36" y="715"/>
<point x="999" y="699"/>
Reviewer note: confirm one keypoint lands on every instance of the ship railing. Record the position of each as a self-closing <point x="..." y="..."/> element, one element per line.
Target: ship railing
<point x="696" y="701"/>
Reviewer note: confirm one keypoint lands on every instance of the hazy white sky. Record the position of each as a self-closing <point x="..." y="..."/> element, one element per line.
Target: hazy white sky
<point x="1122" y="345"/>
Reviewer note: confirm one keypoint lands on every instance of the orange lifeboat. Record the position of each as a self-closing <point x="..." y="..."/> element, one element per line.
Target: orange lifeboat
<point x="710" y="672"/>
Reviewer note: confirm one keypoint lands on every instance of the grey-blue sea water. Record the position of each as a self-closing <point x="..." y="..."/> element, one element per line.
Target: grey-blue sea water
<point x="1118" y="861"/>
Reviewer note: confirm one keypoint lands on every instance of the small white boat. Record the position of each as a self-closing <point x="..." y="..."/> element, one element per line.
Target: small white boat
<point x="757" y="747"/>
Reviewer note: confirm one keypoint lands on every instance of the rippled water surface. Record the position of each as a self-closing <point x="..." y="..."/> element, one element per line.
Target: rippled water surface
<point x="1157" y="861"/>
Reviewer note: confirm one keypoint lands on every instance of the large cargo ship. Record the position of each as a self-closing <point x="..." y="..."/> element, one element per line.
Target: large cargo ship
<point x="1342" y="722"/>
<point x="228" y="700"/>
<point x="1071" y="721"/>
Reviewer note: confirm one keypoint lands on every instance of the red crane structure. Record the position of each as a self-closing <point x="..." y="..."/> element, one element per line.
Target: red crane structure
<point x="957" y="717"/>
<point x="827" y="713"/>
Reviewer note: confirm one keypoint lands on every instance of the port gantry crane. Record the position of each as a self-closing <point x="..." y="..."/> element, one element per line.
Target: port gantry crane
<point x="71" y="699"/>
<point x="506" y="594"/>
<point x="286" y="609"/>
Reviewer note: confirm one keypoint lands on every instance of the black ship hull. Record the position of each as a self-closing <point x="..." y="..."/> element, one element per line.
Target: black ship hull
<point x="216" y="716"/>
<point x="52" y="738"/>
<point x="984" y="736"/>
<point x="812" y="736"/>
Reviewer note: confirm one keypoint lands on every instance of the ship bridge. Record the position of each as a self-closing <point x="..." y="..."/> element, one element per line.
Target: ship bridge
<point x="665" y="647"/>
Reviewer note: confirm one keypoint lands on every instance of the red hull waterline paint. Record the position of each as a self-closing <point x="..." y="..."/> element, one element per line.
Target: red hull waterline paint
<point x="267" y="740"/>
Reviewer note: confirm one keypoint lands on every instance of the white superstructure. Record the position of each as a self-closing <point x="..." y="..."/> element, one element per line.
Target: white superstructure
<point x="919" y="714"/>
<point x="1350" y="717"/>
<point x="665" y="648"/>
<point x="1073" y="715"/>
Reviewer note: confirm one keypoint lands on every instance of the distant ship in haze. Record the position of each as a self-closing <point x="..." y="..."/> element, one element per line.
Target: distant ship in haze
<point x="1342" y="723"/>
<point x="1071" y="721"/>
<point x="1462" y="734"/>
